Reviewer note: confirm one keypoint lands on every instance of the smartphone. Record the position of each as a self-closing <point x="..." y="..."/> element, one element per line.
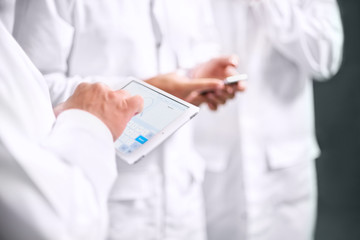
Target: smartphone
<point x="230" y="81"/>
<point x="235" y="79"/>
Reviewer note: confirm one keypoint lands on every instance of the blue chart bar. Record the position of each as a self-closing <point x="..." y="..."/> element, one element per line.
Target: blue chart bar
<point x="141" y="139"/>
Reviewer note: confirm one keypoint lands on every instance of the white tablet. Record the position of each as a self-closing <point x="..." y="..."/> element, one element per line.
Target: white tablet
<point x="162" y="115"/>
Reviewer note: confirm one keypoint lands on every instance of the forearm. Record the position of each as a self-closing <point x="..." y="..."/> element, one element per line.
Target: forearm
<point x="309" y="33"/>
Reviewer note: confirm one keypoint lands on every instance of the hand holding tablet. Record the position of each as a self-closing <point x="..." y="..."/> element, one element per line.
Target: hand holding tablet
<point x="162" y="115"/>
<point x="185" y="88"/>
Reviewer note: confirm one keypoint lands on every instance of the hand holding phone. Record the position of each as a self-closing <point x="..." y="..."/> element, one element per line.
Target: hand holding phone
<point x="232" y="80"/>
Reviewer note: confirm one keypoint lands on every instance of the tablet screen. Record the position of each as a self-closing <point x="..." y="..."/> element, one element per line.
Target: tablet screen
<point x="159" y="111"/>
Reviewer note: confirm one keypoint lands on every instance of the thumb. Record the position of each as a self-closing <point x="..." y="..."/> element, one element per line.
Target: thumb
<point x="135" y="104"/>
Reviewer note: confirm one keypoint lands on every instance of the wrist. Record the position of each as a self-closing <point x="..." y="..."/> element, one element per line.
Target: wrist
<point x="186" y="72"/>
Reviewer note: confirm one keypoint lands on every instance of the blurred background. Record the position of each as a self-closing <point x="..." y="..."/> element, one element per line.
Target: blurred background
<point x="337" y="109"/>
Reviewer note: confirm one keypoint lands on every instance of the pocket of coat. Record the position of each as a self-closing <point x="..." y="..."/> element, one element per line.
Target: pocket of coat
<point x="132" y="207"/>
<point x="131" y="186"/>
<point x="289" y="153"/>
<point x="217" y="161"/>
<point x="196" y="168"/>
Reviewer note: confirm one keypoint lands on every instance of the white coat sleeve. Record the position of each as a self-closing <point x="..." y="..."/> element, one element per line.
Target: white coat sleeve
<point x="308" y="32"/>
<point x="55" y="174"/>
<point x="45" y="30"/>
<point x="58" y="188"/>
<point x="83" y="141"/>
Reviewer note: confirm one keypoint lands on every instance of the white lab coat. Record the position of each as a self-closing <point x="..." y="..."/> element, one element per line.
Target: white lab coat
<point x="55" y="174"/>
<point x="72" y="41"/>
<point x="260" y="181"/>
<point x="7" y="8"/>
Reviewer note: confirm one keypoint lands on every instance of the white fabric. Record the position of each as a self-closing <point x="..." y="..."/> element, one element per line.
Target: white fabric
<point x="55" y="174"/>
<point x="7" y="8"/>
<point x="159" y="197"/>
<point x="260" y="180"/>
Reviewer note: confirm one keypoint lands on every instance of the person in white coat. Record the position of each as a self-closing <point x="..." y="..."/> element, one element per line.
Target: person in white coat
<point x="72" y="41"/>
<point x="260" y="182"/>
<point x="56" y="172"/>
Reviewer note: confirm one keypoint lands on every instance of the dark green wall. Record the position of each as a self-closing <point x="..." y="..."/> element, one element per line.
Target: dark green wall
<point x="337" y="105"/>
